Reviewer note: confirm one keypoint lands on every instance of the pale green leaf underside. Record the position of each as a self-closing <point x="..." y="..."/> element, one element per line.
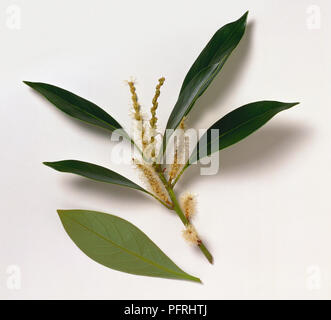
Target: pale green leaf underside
<point x="118" y="244"/>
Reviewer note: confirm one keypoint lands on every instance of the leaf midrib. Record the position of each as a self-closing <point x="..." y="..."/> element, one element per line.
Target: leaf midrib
<point x="134" y="186"/>
<point x="219" y="65"/>
<point x="32" y="85"/>
<point x="233" y="129"/>
<point x="90" y="114"/>
<point x="129" y="251"/>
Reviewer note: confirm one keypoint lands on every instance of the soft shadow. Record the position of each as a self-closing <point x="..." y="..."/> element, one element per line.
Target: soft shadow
<point x="109" y="191"/>
<point x="224" y="82"/>
<point x="270" y="146"/>
<point x="83" y="126"/>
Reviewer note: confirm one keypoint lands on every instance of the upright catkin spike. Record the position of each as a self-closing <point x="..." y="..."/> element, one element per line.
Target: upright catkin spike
<point x="175" y="166"/>
<point x="191" y="235"/>
<point x="137" y="113"/>
<point x="153" y="119"/>
<point x="188" y="204"/>
<point x="153" y="180"/>
<point x="134" y="97"/>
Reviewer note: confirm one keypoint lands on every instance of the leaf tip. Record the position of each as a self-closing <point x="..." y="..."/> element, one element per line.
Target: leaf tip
<point x="292" y="104"/>
<point x="196" y="280"/>
<point x="48" y="164"/>
<point x="28" y="83"/>
<point x="244" y="16"/>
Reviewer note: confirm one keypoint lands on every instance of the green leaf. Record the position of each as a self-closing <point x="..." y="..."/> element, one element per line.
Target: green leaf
<point x="94" y="172"/>
<point x="205" y="68"/>
<point x="236" y="126"/>
<point x="118" y="244"/>
<point x="77" y="107"/>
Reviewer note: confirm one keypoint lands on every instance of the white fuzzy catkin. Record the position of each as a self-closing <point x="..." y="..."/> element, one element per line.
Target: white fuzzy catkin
<point x="190" y="234"/>
<point x="179" y="151"/>
<point x="188" y="204"/>
<point x="153" y="180"/>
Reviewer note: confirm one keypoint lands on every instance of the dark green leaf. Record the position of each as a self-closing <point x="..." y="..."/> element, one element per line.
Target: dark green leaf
<point x="118" y="244"/>
<point x="206" y="67"/>
<point x="237" y="125"/>
<point x="77" y="107"/>
<point x="94" y="172"/>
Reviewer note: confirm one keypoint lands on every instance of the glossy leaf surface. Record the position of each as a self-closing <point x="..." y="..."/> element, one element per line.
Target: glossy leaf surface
<point x="236" y="126"/>
<point x="205" y="68"/>
<point x="94" y="172"/>
<point x="77" y="107"/>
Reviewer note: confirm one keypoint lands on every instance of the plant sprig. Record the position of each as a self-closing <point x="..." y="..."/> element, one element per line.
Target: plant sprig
<point x="115" y="242"/>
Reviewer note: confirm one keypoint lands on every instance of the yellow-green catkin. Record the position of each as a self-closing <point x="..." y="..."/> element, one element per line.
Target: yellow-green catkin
<point x="178" y="154"/>
<point x="191" y="235"/>
<point x="153" y="180"/>
<point x="137" y="114"/>
<point x="182" y="124"/>
<point x="153" y="120"/>
<point x="188" y="204"/>
<point x="134" y="98"/>
<point x="175" y="167"/>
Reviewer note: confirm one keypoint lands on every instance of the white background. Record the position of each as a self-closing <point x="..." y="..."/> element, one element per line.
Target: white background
<point x="265" y="215"/>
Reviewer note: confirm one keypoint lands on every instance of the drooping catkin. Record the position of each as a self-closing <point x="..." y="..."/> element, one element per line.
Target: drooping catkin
<point x="188" y="203"/>
<point x="153" y="119"/>
<point x="190" y="234"/>
<point x="153" y="180"/>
